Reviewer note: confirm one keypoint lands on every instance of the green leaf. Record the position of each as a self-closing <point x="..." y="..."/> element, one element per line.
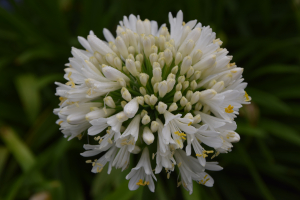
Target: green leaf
<point x="3" y="157"/>
<point x="281" y="130"/>
<point x="275" y="69"/>
<point x="28" y="92"/>
<point x="268" y="100"/>
<point x="16" y="146"/>
<point x="122" y="192"/>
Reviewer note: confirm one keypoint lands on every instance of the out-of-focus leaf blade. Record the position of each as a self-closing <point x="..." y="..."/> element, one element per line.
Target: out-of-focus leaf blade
<point x="29" y="95"/>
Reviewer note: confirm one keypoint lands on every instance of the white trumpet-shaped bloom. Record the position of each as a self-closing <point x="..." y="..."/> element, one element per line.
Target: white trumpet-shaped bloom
<point x="142" y="174"/>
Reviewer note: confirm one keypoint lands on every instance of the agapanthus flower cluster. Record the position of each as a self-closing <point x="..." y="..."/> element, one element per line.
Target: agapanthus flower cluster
<point x="167" y="95"/>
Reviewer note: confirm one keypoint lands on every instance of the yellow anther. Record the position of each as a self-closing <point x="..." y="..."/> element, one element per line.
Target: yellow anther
<point x="100" y="140"/>
<point x="79" y="136"/>
<point x="183" y="23"/>
<point x="88" y="161"/>
<point x="168" y="175"/>
<point x="109" y="141"/>
<point x="229" y="109"/>
<point x="93" y="164"/>
<point x="153" y="155"/>
<point x="205" y="176"/>
<point x="190" y="124"/>
<point x="140" y="182"/>
<point x="59" y="123"/>
<point x="246" y="96"/>
<point x="179" y="164"/>
<point x="182" y="135"/>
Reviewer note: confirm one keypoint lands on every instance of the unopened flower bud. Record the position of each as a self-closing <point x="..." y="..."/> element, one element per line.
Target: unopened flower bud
<point x="140" y="100"/>
<point x="143" y="91"/>
<point x="181" y="79"/>
<point x="140" y="58"/>
<point x="121" y="116"/>
<point x="173" y="107"/>
<point x="174" y="70"/>
<point x="193" y="85"/>
<point x="130" y="65"/>
<point x="122" y="82"/>
<point x="123" y="103"/>
<point x="178" y="87"/>
<point x="109" y="101"/>
<point x="196" y="76"/>
<point x="148" y="136"/>
<point x="155" y="65"/>
<point x="147" y="99"/>
<point x="118" y="63"/>
<point x="186" y="63"/>
<point x="121" y="47"/>
<point x="198" y="106"/>
<point x="177" y="96"/>
<point x="146" y="119"/>
<point x="161" y="61"/>
<point x="162" y="88"/>
<point x="125" y="70"/>
<point x="126" y="95"/>
<point x="207" y="94"/>
<point x="189" y="95"/>
<point x="131" y="50"/>
<point x="219" y="86"/>
<point x="170" y="83"/>
<point x="188" y="107"/>
<point x="138" y="66"/>
<point x="154" y="49"/>
<point x="190" y="72"/>
<point x="188" y="116"/>
<point x="178" y="58"/>
<point x="161" y="107"/>
<point x="183" y="101"/>
<point x="195" y="97"/>
<point x="144" y="78"/>
<point x="197" y="119"/>
<point x="110" y="59"/>
<point x="155" y="87"/>
<point x="157" y="73"/>
<point x="185" y="85"/>
<point x="197" y="56"/>
<point x="131" y="108"/>
<point x="143" y="113"/>
<point x="168" y="56"/>
<point x="171" y="76"/>
<point x="153" y="58"/>
<point x="161" y="42"/>
<point x="153" y="99"/>
<point x="211" y="83"/>
<point x="154" y="126"/>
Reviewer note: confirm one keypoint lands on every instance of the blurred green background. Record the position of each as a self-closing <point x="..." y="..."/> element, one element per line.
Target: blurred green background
<point x="35" y="41"/>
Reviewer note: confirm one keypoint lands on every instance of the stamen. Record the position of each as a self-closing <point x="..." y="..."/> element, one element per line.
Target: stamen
<point x="229" y="109"/>
<point x="246" y="96"/>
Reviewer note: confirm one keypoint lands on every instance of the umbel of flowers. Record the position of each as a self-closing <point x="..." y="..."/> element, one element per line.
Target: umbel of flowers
<point x="167" y="93"/>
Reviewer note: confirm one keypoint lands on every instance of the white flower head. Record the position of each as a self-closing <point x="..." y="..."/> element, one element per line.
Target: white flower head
<point x="173" y="86"/>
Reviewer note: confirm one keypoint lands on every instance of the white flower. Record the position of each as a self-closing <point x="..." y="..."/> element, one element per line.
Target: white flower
<point x="135" y="87"/>
<point x="142" y="174"/>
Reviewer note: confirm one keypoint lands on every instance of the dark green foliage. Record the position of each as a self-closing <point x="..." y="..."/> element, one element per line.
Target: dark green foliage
<point x="35" y="42"/>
